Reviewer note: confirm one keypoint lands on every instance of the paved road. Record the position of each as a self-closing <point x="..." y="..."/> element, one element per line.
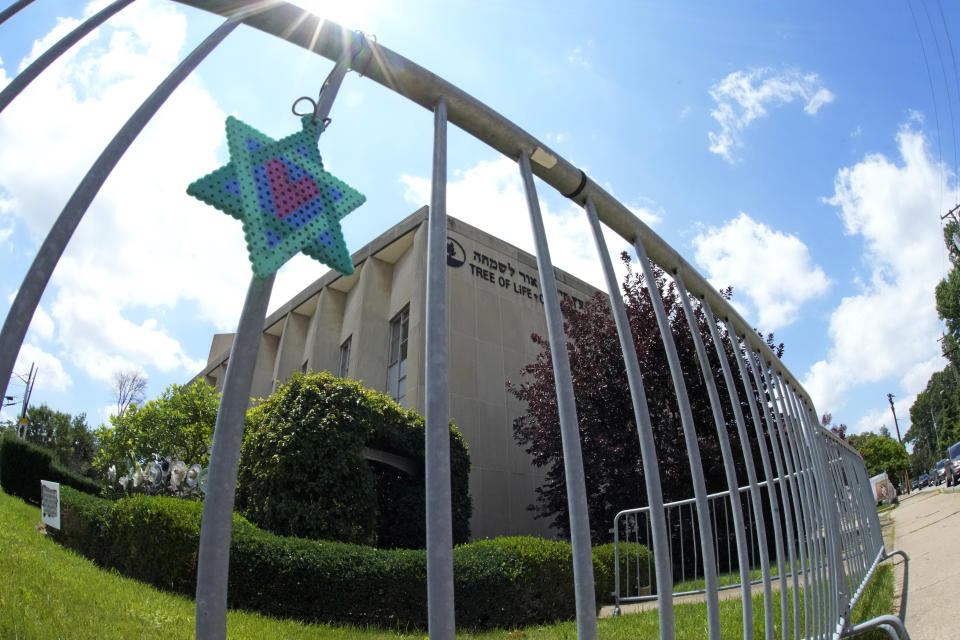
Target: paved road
<point x="927" y="528"/>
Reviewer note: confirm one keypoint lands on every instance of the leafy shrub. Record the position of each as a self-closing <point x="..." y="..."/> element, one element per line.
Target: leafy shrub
<point x="23" y="465"/>
<point x="179" y="424"/>
<point x="505" y="582"/>
<point x="303" y="473"/>
<point x="640" y="571"/>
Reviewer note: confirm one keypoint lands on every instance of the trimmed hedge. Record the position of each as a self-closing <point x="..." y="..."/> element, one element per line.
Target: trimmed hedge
<point x="24" y="464"/>
<point x="303" y="473"/>
<point x="505" y="582"/>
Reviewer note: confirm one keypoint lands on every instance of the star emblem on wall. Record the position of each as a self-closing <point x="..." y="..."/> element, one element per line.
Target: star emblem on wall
<point x="280" y="192"/>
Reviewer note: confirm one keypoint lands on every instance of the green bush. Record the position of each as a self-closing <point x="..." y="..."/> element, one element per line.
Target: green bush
<point x="505" y="582"/>
<point x="303" y="473"/>
<point x="640" y="571"/>
<point x="23" y="465"/>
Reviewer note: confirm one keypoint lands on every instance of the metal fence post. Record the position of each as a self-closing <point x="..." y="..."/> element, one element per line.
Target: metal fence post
<point x="788" y="491"/>
<point x="748" y="463"/>
<point x="569" y="428"/>
<point x="440" y="598"/>
<point x="693" y="448"/>
<point x="728" y="466"/>
<point x="648" y="451"/>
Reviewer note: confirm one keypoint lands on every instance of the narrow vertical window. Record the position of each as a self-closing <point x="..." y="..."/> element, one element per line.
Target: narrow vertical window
<point x="397" y="357"/>
<point x="344" y="369"/>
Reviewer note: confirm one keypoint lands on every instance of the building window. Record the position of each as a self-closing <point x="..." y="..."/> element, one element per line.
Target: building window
<point x="397" y="358"/>
<point x="344" y="368"/>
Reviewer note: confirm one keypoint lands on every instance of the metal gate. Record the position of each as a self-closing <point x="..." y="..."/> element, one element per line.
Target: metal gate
<point x="813" y="502"/>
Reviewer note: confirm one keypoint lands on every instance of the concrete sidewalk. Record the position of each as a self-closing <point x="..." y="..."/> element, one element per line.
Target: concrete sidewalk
<point x="927" y="528"/>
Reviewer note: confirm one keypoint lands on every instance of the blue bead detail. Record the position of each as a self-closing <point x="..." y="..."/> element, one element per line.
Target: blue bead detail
<point x="253" y="145"/>
<point x="233" y="186"/>
<point x="264" y="193"/>
<point x="295" y="171"/>
<point x="273" y="239"/>
<point x="306" y="213"/>
<point x="335" y="193"/>
<point x="326" y="238"/>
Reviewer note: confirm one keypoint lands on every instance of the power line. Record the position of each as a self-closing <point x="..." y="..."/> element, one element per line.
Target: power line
<point x="956" y="77"/>
<point x="933" y="93"/>
<point x="946" y="83"/>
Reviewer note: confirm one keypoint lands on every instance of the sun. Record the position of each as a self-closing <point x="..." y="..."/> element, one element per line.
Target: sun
<point x="349" y="14"/>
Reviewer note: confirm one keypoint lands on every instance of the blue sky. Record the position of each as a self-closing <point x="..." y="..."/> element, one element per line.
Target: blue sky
<point x="800" y="152"/>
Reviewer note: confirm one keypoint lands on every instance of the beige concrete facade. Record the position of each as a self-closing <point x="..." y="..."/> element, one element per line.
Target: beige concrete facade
<point x="494" y="305"/>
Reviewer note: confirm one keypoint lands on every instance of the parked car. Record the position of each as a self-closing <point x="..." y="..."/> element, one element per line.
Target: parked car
<point x="924" y="480"/>
<point x="941" y="470"/>
<point x="953" y="454"/>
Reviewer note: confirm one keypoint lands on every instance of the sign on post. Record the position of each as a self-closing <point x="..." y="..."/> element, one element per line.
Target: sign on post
<point x="50" y="503"/>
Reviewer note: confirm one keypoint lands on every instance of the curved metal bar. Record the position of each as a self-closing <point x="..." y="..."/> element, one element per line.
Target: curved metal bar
<point x="13" y="9"/>
<point x="38" y="275"/>
<point x="726" y="452"/>
<point x="213" y="560"/>
<point x="890" y="624"/>
<point x="569" y="429"/>
<point x="440" y="604"/>
<point x="801" y="495"/>
<point x="693" y="448"/>
<point x="822" y="532"/>
<point x="748" y="463"/>
<point x="768" y="476"/>
<point x="648" y="448"/>
<point x="830" y="500"/>
<point x="28" y="75"/>
<point x="906" y="580"/>
<point x="788" y="489"/>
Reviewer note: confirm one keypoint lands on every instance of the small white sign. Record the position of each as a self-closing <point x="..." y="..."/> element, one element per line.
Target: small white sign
<point x="50" y="503"/>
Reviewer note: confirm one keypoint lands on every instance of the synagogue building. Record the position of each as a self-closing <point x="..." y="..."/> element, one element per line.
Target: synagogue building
<point x="370" y="326"/>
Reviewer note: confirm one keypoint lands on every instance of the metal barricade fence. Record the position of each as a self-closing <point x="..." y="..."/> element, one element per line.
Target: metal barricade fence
<point x="804" y="522"/>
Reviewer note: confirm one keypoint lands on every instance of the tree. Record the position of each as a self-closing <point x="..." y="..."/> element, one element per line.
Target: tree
<point x="611" y="452"/>
<point x="178" y="424"/>
<point x="129" y="386"/>
<point x="948" y="294"/>
<point x="69" y="438"/>
<point x="881" y="454"/>
<point x="839" y="430"/>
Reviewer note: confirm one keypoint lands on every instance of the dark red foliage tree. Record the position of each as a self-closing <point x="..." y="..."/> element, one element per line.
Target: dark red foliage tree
<point x="608" y="434"/>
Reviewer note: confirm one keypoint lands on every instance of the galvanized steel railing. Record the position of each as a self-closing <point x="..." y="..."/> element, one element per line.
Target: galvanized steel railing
<point x="813" y="502"/>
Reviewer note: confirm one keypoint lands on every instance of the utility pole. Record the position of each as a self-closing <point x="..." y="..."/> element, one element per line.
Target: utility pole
<point x="28" y="391"/>
<point x="897" y="425"/>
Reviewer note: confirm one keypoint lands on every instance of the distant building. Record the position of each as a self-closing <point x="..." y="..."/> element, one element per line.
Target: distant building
<point x="370" y="327"/>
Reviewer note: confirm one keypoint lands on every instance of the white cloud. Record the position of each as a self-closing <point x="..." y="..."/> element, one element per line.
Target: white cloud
<point x="490" y="196"/>
<point x="144" y="247"/>
<point x="42" y="325"/>
<point x="102" y="341"/>
<point x="580" y="56"/>
<point x="771" y="268"/>
<point x="51" y="376"/>
<point x="744" y="96"/>
<point x="888" y="330"/>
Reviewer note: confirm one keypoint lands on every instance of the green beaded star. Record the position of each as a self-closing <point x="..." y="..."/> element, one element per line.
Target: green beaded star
<point x="280" y="192"/>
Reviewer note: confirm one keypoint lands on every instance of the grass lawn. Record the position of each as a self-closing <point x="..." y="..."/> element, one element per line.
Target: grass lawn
<point x="50" y="592"/>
